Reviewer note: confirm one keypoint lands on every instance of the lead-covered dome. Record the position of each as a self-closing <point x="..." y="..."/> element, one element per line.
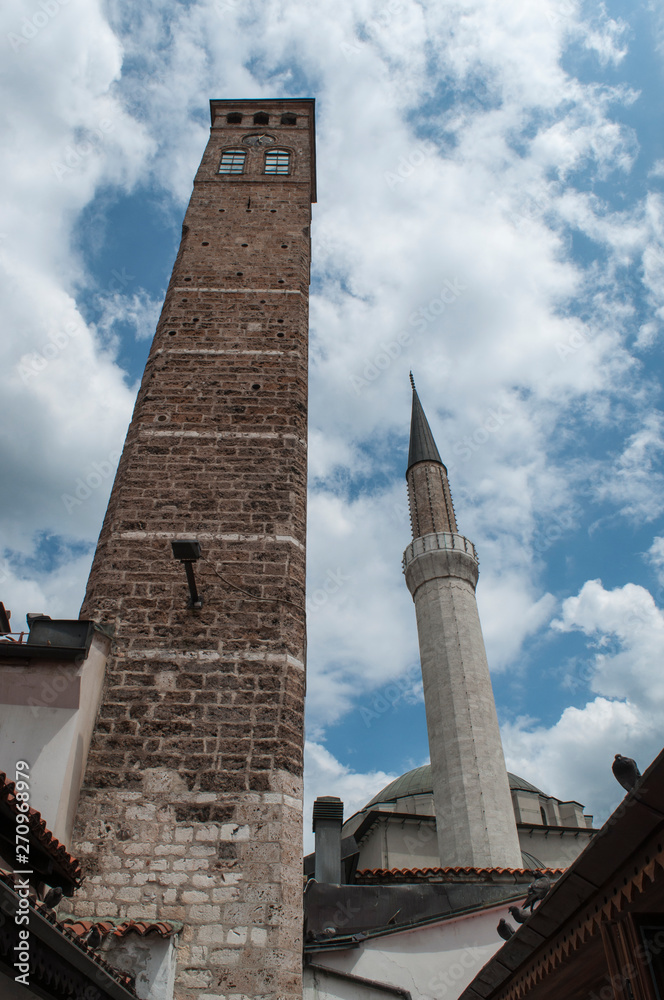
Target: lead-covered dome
<point x="418" y="782"/>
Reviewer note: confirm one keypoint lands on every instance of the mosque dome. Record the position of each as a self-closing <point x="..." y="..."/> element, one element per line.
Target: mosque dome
<point x="419" y="782"/>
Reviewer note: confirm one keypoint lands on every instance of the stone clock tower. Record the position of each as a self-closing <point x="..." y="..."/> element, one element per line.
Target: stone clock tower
<point x="192" y="801"/>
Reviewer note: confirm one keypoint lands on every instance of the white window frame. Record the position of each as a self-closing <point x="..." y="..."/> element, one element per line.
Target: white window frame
<point x="277" y="162"/>
<point x="238" y="159"/>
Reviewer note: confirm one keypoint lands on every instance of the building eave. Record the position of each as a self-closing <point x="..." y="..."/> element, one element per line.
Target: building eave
<point x="48" y="856"/>
<point x="638" y="820"/>
<point x="49" y="943"/>
<point x="349" y="941"/>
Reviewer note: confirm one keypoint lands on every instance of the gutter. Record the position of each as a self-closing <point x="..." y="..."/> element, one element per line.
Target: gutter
<point x="359" y="937"/>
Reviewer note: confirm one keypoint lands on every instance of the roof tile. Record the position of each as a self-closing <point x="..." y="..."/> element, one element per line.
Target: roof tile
<point x="452" y="874"/>
<point x="122" y="928"/>
<point x="69" y="864"/>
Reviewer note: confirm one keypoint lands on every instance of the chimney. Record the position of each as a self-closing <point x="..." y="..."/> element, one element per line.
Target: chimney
<point x="328" y="818"/>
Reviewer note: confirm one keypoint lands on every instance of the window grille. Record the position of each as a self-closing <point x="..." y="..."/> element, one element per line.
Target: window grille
<point x="277" y="161"/>
<point x="232" y="161"/>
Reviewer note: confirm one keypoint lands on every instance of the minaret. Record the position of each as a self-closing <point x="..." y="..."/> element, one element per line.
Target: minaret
<point x="474" y="814"/>
<point x="191" y="809"/>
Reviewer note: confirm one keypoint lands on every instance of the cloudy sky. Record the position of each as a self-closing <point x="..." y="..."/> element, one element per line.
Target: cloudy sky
<point x="491" y="215"/>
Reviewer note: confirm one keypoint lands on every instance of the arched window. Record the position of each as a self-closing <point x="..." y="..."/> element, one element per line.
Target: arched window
<point x="545" y="821"/>
<point x="234" y="118"/>
<point x="232" y="161"/>
<point x="288" y="119"/>
<point x="261" y="118"/>
<point x="277" y="161"/>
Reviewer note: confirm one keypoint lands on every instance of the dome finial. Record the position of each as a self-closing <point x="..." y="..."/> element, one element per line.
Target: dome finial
<point x="412" y="381"/>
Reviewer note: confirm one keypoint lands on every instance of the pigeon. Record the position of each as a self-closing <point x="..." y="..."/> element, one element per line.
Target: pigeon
<point x="626" y="772"/>
<point x="537" y="890"/>
<point x="93" y="937"/>
<point x="53" y="897"/>
<point x="519" y="915"/>
<point x="505" y="930"/>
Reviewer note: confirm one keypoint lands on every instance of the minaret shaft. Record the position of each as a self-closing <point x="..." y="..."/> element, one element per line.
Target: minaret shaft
<point x="474" y="814"/>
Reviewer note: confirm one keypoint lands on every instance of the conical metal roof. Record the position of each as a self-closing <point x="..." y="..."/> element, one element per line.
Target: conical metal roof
<point x="422" y="445"/>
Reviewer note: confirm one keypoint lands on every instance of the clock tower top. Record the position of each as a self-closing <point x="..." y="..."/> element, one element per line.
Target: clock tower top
<point x="286" y="124"/>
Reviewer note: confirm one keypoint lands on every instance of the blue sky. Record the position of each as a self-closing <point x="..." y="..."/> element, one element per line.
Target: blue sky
<point x="490" y="215"/>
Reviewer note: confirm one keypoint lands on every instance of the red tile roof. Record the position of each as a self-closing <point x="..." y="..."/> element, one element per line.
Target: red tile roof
<point x="68" y="864"/>
<point x="121" y="928"/>
<point x="453" y="874"/>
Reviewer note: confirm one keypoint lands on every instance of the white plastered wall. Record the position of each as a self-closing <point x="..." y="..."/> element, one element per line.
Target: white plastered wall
<point x="151" y="959"/>
<point x="435" y="962"/>
<point x="47" y="714"/>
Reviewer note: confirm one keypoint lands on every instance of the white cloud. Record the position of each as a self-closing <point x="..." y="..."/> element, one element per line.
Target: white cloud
<point x="627" y="621"/>
<point x="61" y="393"/>
<point x="324" y="775"/>
<point x="605" y="39"/>
<point x="138" y="310"/>
<point x="633" y="482"/>
<point x="44" y="589"/>
<point x="361" y="623"/>
<point x="510" y="612"/>
<point x="655" y="555"/>
<point x="653" y="262"/>
<point x="572" y="759"/>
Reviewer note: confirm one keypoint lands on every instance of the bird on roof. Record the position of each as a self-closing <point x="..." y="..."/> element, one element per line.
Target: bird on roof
<point x="626" y="771"/>
<point x="505" y="930"/>
<point x="519" y="915"/>
<point x="93" y="937"/>
<point x="53" y="897"/>
<point x="537" y="890"/>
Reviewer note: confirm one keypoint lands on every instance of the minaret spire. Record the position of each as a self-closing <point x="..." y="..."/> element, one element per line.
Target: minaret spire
<point x="429" y="497"/>
<point x="474" y="814"/>
<point x="422" y="445"/>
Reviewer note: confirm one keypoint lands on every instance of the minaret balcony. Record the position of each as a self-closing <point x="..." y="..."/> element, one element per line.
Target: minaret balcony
<point x="439" y="555"/>
<point x="439" y="540"/>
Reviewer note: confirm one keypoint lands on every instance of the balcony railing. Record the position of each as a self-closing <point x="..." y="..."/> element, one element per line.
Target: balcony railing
<point x="439" y="540"/>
